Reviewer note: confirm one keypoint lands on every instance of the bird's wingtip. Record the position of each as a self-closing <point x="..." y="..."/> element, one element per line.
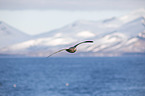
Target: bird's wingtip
<point x="91" y="41"/>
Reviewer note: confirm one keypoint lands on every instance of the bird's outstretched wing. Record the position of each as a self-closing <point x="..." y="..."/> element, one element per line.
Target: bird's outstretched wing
<point x="83" y="42"/>
<point x="56" y="52"/>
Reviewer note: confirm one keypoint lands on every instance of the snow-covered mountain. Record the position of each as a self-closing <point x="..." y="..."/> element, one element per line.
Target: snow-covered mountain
<point x="112" y="37"/>
<point x="10" y="35"/>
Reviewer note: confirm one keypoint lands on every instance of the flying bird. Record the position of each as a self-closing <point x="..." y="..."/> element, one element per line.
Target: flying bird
<point x="71" y="49"/>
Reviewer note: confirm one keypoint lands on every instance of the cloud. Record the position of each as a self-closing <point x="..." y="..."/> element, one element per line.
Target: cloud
<point x="72" y="4"/>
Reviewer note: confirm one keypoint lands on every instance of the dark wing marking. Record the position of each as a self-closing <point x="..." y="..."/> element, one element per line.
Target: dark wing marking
<point x="83" y="42"/>
<point x="56" y="52"/>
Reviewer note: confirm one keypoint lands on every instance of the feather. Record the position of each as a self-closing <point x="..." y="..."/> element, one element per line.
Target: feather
<point x="83" y="42"/>
<point x="56" y="52"/>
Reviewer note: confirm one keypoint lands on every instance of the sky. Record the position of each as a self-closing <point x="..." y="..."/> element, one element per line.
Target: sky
<point x="39" y="16"/>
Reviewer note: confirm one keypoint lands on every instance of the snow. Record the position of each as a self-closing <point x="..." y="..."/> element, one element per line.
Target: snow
<point x="59" y="41"/>
<point x="85" y="34"/>
<point x="142" y="34"/>
<point x="58" y="35"/>
<point x="133" y="15"/>
<point x="115" y="37"/>
<point x="111" y="35"/>
<point x="38" y="42"/>
<point x="131" y="41"/>
<point x="10" y="35"/>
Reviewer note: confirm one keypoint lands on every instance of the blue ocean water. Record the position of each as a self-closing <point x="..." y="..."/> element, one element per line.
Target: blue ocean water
<point x="96" y="76"/>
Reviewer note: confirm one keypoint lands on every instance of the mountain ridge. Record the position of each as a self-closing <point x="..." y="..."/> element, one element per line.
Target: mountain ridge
<point x="114" y="37"/>
<point x="11" y="35"/>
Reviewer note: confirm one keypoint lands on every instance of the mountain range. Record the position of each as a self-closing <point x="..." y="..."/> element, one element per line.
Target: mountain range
<point x="115" y="36"/>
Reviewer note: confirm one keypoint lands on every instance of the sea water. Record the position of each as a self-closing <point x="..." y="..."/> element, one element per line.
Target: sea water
<point x="92" y="76"/>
